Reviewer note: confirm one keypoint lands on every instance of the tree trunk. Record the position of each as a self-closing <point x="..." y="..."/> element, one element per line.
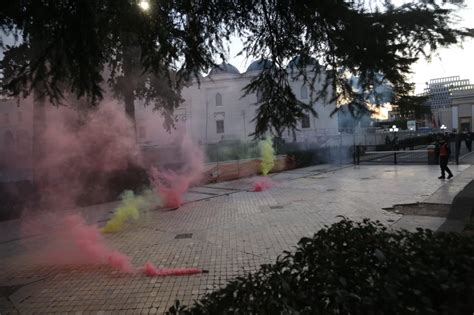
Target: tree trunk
<point x="128" y="92"/>
<point x="39" y="128"/>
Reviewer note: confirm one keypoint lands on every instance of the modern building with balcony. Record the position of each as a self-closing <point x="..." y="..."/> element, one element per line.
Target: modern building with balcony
<point x="452" y="103"/>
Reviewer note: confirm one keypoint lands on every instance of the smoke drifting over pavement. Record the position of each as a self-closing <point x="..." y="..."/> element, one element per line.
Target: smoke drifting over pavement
<point x="171" y="185"/>
<point x="82" y="154"/>
<point x="80" y="150"/>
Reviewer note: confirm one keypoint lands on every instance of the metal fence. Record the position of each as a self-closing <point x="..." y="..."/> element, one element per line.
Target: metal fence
<point x="333" y="146"/>
<point x="422" y="154"/>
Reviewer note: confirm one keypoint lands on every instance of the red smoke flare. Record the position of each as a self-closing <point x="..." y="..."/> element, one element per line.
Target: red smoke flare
<point x="151" y="271"/>
<point x="262" y="183"/>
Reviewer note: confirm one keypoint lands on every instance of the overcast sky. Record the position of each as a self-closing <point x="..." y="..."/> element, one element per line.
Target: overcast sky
<point x="447" y="62"/>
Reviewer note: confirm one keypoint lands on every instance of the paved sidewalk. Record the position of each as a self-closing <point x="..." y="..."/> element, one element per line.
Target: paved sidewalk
<point x="443" y="196"/>
<point x="467" y="158"/>
<point x="229" y="231"/>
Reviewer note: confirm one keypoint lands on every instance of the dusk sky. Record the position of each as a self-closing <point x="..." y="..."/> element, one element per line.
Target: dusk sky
<point x="446" y="62"/>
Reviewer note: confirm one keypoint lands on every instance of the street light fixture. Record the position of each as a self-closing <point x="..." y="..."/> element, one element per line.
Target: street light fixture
<point x="144" y="5"/>
<point x="443" y="127"/>
<point x="394" y="131"/>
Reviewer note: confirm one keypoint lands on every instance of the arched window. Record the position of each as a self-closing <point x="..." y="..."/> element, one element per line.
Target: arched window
<point x="218" y="99"/>
<point x="304" y="92"/>
<point x="219" y="122"/>
<point x="219" y="126"/>
<point x="305" y="122"/>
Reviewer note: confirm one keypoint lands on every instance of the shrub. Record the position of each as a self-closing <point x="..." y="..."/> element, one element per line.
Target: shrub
<point x="232" y="150"/>
<point x="356" y="268"/>
<point x="101" y="187"/>
<point x="302" y="158"/>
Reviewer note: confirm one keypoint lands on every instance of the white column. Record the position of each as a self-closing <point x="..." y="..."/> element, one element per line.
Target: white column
<point x="472" y="117"/>
<point x="454" y="111"/>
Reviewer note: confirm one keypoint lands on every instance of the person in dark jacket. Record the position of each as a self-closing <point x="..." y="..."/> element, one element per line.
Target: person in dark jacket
<point x="457" y="145"/>
<point x="468" y="140"/>
<point x="444" y="153"/>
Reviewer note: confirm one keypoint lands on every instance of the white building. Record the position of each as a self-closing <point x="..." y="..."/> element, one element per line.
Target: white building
<point x="216" y="110"/>
<point x="452" y="103"/>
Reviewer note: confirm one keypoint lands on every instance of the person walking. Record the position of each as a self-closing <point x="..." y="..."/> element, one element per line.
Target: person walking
<point x="457" y="145"/>
<point x="444" y="153"/>
<point x="468" y="140"/>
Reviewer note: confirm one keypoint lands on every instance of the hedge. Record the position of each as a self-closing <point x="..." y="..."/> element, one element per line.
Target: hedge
<point x="355" y="268"/>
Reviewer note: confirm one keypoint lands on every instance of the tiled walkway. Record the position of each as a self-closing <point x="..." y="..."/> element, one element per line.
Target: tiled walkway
<point x="223" y="228"/>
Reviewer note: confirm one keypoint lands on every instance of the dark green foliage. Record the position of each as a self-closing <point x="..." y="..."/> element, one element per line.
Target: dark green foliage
<point x="159" y="89"/>
<point x="231" y="150"/>
<point x="307" y="155"/>
<point x="303" y="158"/>
<point x="102" y="187"/>
<point x="413" y="107"/>
<point x="278" y="107"/>
<point x="98" y="187"/>
<point x="66" y="45"/>
<point x="356" y="268"/>
<point x="300" y="156"/>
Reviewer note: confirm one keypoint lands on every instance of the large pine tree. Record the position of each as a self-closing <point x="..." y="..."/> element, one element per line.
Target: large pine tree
<point x="66" y="45"/>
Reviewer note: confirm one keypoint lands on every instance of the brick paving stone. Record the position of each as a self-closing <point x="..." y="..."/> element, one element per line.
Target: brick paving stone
<point x="228" y="235"/>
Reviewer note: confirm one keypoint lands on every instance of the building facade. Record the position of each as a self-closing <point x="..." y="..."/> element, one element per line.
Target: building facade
<point x="462" y="109"/>
<point x="452" y="103"/>
<point x="215" y="109"/>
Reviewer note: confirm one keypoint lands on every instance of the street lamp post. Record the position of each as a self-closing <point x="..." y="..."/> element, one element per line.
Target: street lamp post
<point x="393" y="130"/>
<point x="443" y="128"/>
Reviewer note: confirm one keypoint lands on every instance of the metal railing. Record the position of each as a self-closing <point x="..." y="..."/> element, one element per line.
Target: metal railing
<point x="419" y="156"/>
<point x="422" y="154"/>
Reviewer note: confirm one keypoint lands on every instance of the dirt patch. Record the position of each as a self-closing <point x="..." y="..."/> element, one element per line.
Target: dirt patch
<point x="423" y="209"/>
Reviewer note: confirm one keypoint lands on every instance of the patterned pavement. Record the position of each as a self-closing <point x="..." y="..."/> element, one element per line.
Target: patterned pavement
<point x="223" y="228"/>
<point x="467" y="158"/>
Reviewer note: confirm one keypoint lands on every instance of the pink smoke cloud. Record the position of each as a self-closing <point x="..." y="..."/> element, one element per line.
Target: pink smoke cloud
<point x="79" y="149"/>
<point x="171" y="185"/>
<point x="69" y="240"/>
<point x="262" y="183"/>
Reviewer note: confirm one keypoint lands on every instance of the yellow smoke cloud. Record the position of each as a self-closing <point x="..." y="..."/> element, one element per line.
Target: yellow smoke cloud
<point x="268" y="156"/>
<point x="130" y="209"/>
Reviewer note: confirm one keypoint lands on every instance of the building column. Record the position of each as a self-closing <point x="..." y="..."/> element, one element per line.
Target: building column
<point x="455" y="118"/>
<point x="472" y="118"/>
